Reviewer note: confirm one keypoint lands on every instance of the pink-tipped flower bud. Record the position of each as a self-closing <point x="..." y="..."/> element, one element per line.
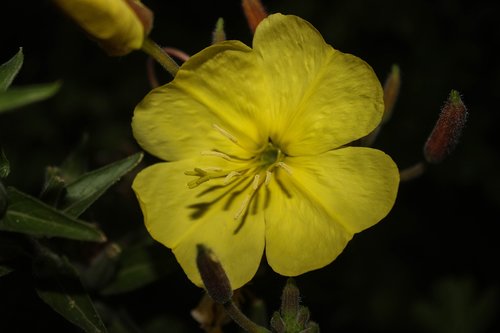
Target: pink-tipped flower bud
<point x="448" y="129"/>
<point x="213" y="275"/>
<point x="254" y="12"/>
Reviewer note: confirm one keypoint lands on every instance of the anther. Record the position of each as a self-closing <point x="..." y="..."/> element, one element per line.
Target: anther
<point x="196" y="172"/>
<point x="194" y="183"/>
<point x="216" y="154"/>
<point x="256" y="182"/>
<point x="285" y="167"/>
<point x="230" y="176"/>
<point x="268" y="177"/>
<point x="243" y="206"/>
<point x="225" y="133"/>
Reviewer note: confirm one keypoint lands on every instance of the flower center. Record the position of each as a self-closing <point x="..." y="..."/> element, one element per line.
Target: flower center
<point x="270" y="155"/>
<point x="253" y="172"/>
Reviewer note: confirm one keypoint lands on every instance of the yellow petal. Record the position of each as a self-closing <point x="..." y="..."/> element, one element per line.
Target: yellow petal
<point x="180" y="218"/>
<point x="325" y="200"/>
<point x="300" y="234"/>
<point x="111" y="22"/>
<point x="322" y="98"/>
<point x="218" y="86"/>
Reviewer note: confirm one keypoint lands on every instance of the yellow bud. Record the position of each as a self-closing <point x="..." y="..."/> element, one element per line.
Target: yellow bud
<point x="119" y="26"/>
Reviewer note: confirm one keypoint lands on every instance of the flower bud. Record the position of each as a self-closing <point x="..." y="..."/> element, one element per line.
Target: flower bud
<point x="392" y="86"/>
<point x="254" y="12"/>
<point x="219" y="35"/>
<point x="119" y="26"/>
<point x="446" y="133"/>
<point x="292" y="316"/>
<point x="290" y="299"/>
<point x="213" y="275"/>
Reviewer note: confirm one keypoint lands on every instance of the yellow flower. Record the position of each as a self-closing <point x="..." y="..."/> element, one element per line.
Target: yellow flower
<point x="257" y="141"/>
<point x="119" y="26"/>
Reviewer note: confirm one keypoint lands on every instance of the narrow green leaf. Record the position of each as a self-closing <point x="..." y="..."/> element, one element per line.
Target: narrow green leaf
<point x="85" y="190"/>
<point x="4" y="270"/>
<point x="57" y="284"/>
<point x="9" y="70"/>
<point x="28" y="215"/>
<point x="21" y="96"/>
<point x="140" y="265"/>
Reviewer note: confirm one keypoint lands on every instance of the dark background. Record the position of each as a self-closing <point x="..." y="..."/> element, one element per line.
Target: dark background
<point x="430" y="266"/>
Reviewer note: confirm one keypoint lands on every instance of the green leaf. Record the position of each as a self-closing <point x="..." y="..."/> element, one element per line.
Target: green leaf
<point x="9" y="70"/>
<point x="85" y="190"/>
<point x="140" y="265"/>
<point x="21" y="96"/>
<point x="28" y="215"/>
<point x="57" y="284"/>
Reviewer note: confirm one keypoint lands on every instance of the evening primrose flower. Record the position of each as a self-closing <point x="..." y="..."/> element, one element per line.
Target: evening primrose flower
<point x="259" y="157"/>
<point x="119" y="26"/>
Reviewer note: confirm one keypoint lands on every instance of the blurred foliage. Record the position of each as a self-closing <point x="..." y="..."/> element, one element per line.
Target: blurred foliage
<point x="430" y="266"/>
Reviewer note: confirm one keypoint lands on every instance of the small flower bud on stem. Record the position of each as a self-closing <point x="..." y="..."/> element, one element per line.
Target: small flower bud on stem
<point x="446" y="133"/>
<point x="213" y="275"/>
<point x="219" y="35"/>
<point x="254" y="12"/>
<point x="292" y="316"/>
<point x="219" y="288"/>
<point x="290" y="299"/>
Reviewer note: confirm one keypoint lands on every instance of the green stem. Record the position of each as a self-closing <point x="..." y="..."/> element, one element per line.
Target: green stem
<point x="243" y="320"/>
<point x="157" y="53"/>
<point x="412" y="172"/>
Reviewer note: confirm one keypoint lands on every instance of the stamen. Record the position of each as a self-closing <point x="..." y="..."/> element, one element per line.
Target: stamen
<point x="256" y="181"/>
<point x="230" y="176"/>
<point x="269" y="174"/>
<point x="243" y="206"/>
<point x="216" y="154"/>
<point x="200" y="171"/>
<point x="194" y="183"/>
<point x="196" y="172"/>
<point x="225" y="133"/>
<point x="213" y="169"/>
<point x="285" y="167"/>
